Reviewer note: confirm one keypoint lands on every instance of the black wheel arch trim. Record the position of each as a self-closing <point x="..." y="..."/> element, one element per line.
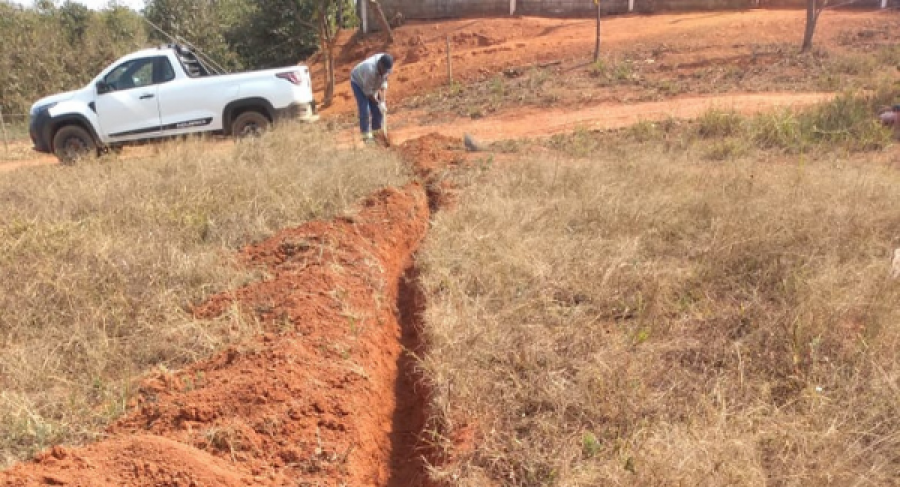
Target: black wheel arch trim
<point x="55" y="123"/>
<point x="228" y="114"/>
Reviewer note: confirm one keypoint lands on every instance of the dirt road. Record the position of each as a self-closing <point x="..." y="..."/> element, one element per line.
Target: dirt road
<point x="537" y="123"/>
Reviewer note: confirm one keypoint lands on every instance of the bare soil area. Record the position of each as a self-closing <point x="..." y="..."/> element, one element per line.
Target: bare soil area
<point x="643" y="57"/>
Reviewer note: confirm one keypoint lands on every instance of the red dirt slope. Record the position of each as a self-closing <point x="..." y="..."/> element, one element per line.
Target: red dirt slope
<point x="314" y="401"/>
<point x="679" y="43"/>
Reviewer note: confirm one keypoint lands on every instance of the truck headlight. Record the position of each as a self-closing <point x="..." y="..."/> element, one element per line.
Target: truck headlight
<point x="39" y="108"/>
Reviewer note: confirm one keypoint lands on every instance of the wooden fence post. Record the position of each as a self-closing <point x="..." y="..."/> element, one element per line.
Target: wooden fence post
<point x="449" y="63"/>
<point x="3" y="127"/>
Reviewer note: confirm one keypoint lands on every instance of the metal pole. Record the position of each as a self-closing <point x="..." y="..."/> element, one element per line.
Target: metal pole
<point x="365" y="15"/>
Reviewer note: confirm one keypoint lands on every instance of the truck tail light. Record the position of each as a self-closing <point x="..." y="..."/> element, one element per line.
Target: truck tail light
<point x="290" y="76"/>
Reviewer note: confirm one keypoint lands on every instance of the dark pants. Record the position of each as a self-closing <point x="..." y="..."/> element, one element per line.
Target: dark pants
<point x="366" y="107"/>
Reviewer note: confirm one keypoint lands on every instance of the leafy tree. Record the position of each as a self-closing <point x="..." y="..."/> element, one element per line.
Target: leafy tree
<point x="199" y="23"/>
<point x="75" y="19"/>
<point x="282" y="32"/>
<point x="50" y="48"/>
<point x="276" y="33"/>
<point x="47" y="49"/>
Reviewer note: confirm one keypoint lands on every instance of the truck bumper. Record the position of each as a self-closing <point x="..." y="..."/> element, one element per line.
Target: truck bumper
<point x="304" y="112"/>
<point x="37" y="130"/>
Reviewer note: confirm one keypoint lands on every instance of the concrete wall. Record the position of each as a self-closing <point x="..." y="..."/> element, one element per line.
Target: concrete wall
<point x="586" y="8"/>
<point x="442" y="9"/>
<point x="557" y="7"/>
<point x="857" y="4"/>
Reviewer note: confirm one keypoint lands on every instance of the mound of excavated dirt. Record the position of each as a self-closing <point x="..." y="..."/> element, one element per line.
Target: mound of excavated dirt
<point x="128" y="460"/>
<point x="311" y="402"/>
<point x="432" y="152"/>
<point x="326" y="396"/>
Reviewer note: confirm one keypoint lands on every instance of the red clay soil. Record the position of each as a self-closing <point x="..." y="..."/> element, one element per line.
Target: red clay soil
<point x="483" y="47"/>
<point x="319" y="399"/>
<point x="430" y="157"/>
<point x="431" y="153"/>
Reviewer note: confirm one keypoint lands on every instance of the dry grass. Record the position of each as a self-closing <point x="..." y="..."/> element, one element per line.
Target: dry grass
<point x="14" y="128"/>
<point x="14" y="143"/>
<point x="646" y="317"/>
<point x="100" y="261"/>
<point x="649" y="72"/>
<point x="846" y="124"/>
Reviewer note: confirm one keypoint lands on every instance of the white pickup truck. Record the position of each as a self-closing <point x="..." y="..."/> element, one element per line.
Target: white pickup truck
<point x="163" y="92"/>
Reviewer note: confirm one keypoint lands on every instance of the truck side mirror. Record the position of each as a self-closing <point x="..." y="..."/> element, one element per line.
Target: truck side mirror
<point x="103" y="87"/>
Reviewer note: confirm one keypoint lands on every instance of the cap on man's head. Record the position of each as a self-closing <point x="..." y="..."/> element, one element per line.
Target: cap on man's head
<point x="386" y="62"/>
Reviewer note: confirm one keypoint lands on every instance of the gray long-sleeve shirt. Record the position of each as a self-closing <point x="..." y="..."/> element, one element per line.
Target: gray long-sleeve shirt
<point x="365" y="75"/>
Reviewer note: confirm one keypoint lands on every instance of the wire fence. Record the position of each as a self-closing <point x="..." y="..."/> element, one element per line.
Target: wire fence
<point x="13" y="127"/>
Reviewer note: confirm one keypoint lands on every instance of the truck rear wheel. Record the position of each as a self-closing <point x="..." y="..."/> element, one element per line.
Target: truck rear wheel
<point x="249" y="124"/>
<point x="72" y="142"/>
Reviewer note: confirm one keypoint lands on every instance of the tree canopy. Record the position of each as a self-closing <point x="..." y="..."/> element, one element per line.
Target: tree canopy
<point x="59" y="46"/>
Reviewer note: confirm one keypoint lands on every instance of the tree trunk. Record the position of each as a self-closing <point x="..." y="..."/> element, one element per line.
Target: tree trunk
<point x="597" y="43"/>
<point x="811" y="18"/>
<point x="340" y="14"/>
<point x="329" y="74"/>
<point x="382" y="19"/>
<point x="326" y="41"/>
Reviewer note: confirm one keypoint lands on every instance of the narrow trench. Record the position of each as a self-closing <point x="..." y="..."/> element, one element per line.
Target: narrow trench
<point x="408" y="452"/>
<point x="407" y="464"/>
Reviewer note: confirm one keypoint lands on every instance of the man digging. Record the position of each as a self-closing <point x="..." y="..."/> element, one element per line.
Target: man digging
<point x="369" y="82"/>
<point x="890" y="116"/>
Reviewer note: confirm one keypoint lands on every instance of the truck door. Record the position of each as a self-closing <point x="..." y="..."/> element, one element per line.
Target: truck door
<point x="127" y="104"/>
<point x="193" y="103"/>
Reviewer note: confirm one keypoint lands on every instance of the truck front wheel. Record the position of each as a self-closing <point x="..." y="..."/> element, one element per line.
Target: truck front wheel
<point x="249" y="124"/>
<point x="71" y="143"/>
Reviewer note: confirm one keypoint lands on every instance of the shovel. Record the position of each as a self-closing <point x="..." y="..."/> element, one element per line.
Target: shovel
<point x="384" y="120"/>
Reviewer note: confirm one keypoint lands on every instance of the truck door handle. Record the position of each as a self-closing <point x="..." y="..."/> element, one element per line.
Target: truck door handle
<point x="147" y="96"/>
